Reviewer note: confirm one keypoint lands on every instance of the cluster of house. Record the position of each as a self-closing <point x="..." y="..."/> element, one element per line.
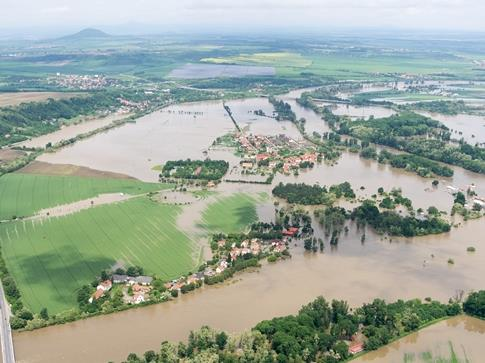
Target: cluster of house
<point x="252" y="246"/>
<point x="178" y="284"/>
<point x="259" y="148"/>
<point x="102" y="287"/>
<point x="293" y="162"/>
<point x="82" y="82"/>
<point x="133" y="106"/>
<point x="253" y="144"/>
<point x="141" y="286"/>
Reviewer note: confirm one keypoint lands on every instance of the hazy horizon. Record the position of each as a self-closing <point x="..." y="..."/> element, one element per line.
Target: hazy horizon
<point x="56" y="17"/>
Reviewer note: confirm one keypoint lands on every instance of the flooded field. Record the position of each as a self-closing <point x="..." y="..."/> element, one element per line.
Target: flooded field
<point x="70" y="131"/>
<point x="358" y="272"/>
<point x="177" y="132"/>
<point x="199" y="71"/>
<point x="243" y="112"/>
<point x="470" y="128"/>
<point x="359" y="111"/>
<point x="464" y="335"/>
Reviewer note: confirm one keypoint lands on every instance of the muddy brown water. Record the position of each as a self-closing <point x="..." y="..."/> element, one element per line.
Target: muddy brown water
<point x="469" y="127"/>
<point x="355" y="272"/>
<point x="466" y="335"/>
<point x="70" y="131"/>
<point x="401" y="268"/>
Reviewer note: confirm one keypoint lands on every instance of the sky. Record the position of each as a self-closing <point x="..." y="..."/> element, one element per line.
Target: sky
<point x="175" y="15"/>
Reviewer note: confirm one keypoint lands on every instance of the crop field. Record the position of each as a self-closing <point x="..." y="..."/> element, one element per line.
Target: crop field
<point x="347" y="65"/>
<point x="25" y="194"/>
<point x="51" y="258"/>
<point x="15" y="98"/>
<point x="230" y="214"/>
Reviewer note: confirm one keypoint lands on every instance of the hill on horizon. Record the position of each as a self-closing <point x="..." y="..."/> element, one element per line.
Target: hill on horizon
<point x="87" y="33"/>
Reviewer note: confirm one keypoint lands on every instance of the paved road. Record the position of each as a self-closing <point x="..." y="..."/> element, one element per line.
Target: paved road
<point x="5" y="332"/>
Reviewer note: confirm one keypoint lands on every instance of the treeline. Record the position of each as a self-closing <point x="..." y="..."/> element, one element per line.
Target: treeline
<point x="195" y="169"/>
<point x="283" y="110"/>
<point x="318" y="333"/>
<point x="443" y="107"/>
<point x="272" y="85"/>
<point x="394" y="224"/>
<point x="312" y="194"/>
<point x="389" y="130"/>
<point x="18" y="123"/>
<point x="420" y="165"/>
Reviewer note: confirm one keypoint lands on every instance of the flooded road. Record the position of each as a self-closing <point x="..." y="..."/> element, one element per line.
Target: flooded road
<point x="465" y="334"/>
<point x="354" y="271"/>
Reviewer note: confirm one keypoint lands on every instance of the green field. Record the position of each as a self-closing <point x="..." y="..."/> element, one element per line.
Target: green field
<point x="51" y="258"/>
<point x="230" y="214"/>
<point x="24" y="194"/>
<point x="348" y="65"/>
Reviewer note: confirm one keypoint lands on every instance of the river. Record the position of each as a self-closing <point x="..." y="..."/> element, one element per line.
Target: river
<point x="354" y="271"/>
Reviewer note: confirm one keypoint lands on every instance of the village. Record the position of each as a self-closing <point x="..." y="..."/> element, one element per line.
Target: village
<point x="81" y="82"/>
<point x="272" y="153"/>
<point x="138" y="289"/>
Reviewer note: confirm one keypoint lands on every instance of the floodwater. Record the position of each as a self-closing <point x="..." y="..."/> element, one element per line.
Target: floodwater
<point x="70" y="131"/>
<point x="200" y="71"/>
<point x="466" y="335"/>
<point x="176" y="132"/>
<point x="243" y="112"/>
<point x="469" y="127"/>
<point x="354" y="271"/>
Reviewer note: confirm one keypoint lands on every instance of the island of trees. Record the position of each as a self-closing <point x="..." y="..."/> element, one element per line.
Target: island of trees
<point x="386" y="221"/>
<point x="313" y="194"/>
<point x="417" y="135"/>
<point x="195" y="169"/>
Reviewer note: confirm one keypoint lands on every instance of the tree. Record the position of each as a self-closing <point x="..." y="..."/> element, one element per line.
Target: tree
<point x="104" y="275"/>
<point x="17" y="323"/>
<point x="44" y="314"/>
<point x="25" y="314"/>
<point x="475" y="304"/>
<point x="460" y="198"/>
<point x="168" y="353"/>
<point x="221" y="340"/>
<point x="341" y="349"/>
<point x="150" y="356"/>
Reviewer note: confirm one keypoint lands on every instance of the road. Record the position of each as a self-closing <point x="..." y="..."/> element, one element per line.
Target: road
<point x="5" y="331"/>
